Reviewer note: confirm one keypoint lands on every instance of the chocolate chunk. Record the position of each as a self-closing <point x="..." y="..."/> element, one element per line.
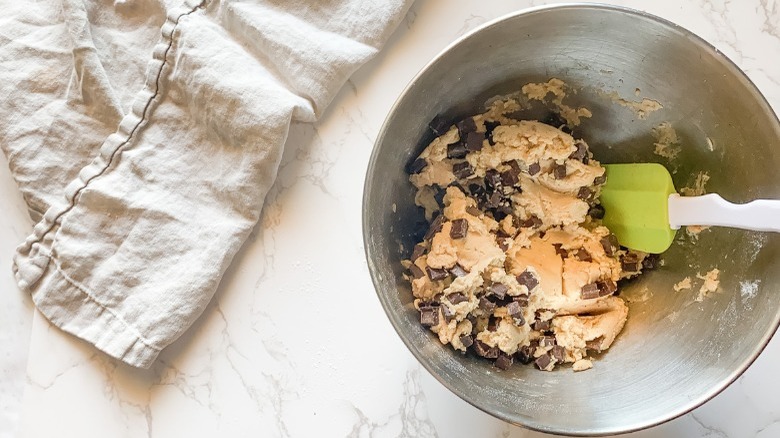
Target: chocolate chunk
<point x="435" y="227"/>
<point x="599" y="180"/>
<point x="438" y="195"/>
<point x="525" y="354"/>
<point x="516" y="312"/>
<point x="499" y="290"/>
<point x="558" y="353"/>
<point x="474" y="141"/>
<point x="650" y="261"/>
<point x="521" y="300"/>
<point x="489" y="127"/>
<point x="596" y="212"/>
<point x="547" y="341"/>
<point x="509" y="178"/>
<point x="439" y="125"/>
<point x="459" y="228"/>
<point x="494" y="201"/>
<point x="485" y="350"/>
<point x="528" y="279"/>
<point x="581" y="152"/>
<point x="493" y="323"/>
<point x="559" y="171"/>
<point x="631" y="257"/>
<point x="594" y="344"/>
<point x="534" y="168"/>
<point x="476" y="190"/>
<point x="533" y="221"/>
<point x="486" y="305"/>
<point x="462" y="170"/>
<point x="418" y="251"/>
<point x="589" y="291"/>
<point x="584" y="193"/>
<point x="417" y="166"/>
<point x="437" y="274"/>
<point x="466" y="126"/>
<point x="541" y="326"/>
<point x="474" y="211"/>
<point x="543" y="361"/>
<point x="492" y="179"/>
<point x="583" y="255"/>
<point x="458" y="271"/>
<point x="503" y="361"/>
<point x="560" y="251"/>
<point x="447" y="312"/>
<point x="610" y="244"/>
<point x="456" y="298"/>
<point x="416" y="271"/>
<point x="502" y="243"/>
<point x="607" y="287"/>
<point x="466" y="340"/>
<point x="429" y="316"/>
<point x="457" y="150"/>
<point x="629" y="266"/>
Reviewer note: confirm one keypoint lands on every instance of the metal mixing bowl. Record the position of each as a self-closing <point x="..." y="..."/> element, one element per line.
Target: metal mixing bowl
<point x="674" y="353"/>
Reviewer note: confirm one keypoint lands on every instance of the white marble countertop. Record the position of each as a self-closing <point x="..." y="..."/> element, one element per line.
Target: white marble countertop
<point x="273" y="355"/>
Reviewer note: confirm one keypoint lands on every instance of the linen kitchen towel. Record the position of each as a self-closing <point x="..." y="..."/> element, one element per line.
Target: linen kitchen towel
<point x="145" y="159"/>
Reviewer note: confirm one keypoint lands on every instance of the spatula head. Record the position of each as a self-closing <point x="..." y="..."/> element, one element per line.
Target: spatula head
<point x="635" y="200"/>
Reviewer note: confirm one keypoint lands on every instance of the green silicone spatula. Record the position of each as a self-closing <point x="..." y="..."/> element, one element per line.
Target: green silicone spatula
<point x="644" y="210"/>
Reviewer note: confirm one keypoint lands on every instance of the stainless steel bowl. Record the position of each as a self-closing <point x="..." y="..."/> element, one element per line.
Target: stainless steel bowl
<point x="675" y="353"/>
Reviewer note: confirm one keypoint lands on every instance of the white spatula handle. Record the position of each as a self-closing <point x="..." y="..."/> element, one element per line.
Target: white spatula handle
<point x="758" y="215"/>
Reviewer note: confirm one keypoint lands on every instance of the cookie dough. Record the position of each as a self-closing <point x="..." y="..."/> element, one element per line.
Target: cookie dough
<point x="515" y="265"/>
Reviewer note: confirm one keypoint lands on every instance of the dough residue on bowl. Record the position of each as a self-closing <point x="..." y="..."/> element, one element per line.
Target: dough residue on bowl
<point x="539" y="91"/>
<point x="515" y="264"/>
<point x="711" y="283"/>
<point x="667" y="144"/>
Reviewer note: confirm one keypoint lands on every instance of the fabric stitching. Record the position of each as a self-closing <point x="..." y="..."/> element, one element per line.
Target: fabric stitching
<point x="74" y="199"/>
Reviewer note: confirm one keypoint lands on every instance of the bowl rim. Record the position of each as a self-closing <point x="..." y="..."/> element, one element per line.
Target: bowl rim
<point x="368" y="183"/>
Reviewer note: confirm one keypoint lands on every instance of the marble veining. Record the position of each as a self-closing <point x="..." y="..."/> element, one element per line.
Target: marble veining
<point x="295" y="342"/>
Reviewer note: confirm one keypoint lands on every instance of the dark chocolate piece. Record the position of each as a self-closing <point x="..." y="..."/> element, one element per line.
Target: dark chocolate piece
<point x="439" y="125"/>
<point x="489" y="127"/>
<point x="558" y="353"/>
<point x="503" y="245"/>
<point x="503" y="361"/>
<point x="596" y="212"/>
<point x="474" y="141"/>
<point x="447" y="312"/>
<point x="599" y="180"/>
<point x="492" y="179"/>
<point x="466" y="126"/>
<point x="584" y="193"/>
<point x="559" y="171"/>
<point x="457" y="150"/>
<point x="418" y="251"/>
<point x="594" y="344"/>
<point x="498" y="290"/>
<point x="528" y="279"/>
<point x="438" y="195"/>
<point x="417" y="166"/>
<point x="610" y="244"/>
<point x="474" y="211"/>
<point x="534" y="168"/>
<point x="429" y="316"/>
<point x="476" y="190"/>
<point x="493" y="323"/>
<point x="533" y="221"/>
<point x="541" y="326"/>
<point x="547" y="341"/>
<point x="560" y="251"/>
<point x="607" y="287"/>
<point x="486" y="305"/>
<point x="590" y="291"/>
<point x="494" y="201"/>
<point x="485" y="350"/>
<point x="459" y="228"/>
<point x="462" y="170"/>
<point x="458" y="271"/>
<point x="629" y="266"/>
<point x="416" y="271"/>
<point x="466" y="340"/>
<point x="516" y="312"/>
<point x="435" y="227"/>
<point x="543" y="361"/>
<point x="522" y="300"/>
<point x="581" y="152"/>
<point x="583" y="255"/>
<point x="456" y="298"/>
<point x="525" y="354"/>
<point x="437" y="274"/>
<point x="650" y="261"/>
<point x="509" y="178"/>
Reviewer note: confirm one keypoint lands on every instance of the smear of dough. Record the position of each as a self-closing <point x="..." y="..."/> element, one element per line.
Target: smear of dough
<point x="641" y="109"/>
<point x="711" y="283"/>
<point x="667" y="144"/>
<point x="556" y="87"/>
<point x="697" y="188"/>
<point x="683" y="284"/>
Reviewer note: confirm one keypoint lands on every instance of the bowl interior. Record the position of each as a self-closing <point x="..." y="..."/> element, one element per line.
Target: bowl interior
<point x="674" y="352"/>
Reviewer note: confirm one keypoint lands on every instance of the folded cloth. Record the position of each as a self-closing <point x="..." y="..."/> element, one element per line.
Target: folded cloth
<point x="162" y="185"/>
